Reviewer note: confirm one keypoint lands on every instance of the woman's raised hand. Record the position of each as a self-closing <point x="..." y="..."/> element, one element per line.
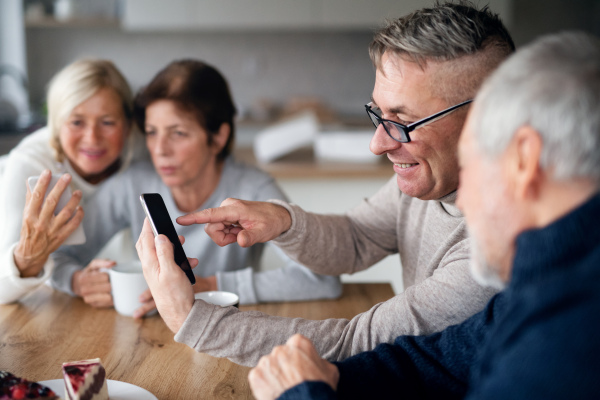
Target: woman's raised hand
<point x="42" y="232"/>
<point x="241" y="221"/>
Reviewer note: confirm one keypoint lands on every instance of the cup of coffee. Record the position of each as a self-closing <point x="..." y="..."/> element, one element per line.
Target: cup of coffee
<point x="219" y="298"/>
<point x="127" y="284"/>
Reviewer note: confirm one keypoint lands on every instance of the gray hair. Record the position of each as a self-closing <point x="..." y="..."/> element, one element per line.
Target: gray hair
<point x="553" y="86"/>
<point x="475" y="41"/>
<point x="444" y="32"/>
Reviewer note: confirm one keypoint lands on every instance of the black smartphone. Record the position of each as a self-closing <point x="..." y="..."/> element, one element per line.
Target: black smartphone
<point x="159" y="218"/>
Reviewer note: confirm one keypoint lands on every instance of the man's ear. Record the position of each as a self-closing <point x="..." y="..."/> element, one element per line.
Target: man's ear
<point x="220" y="139"/>
<point x="524" y="158"/>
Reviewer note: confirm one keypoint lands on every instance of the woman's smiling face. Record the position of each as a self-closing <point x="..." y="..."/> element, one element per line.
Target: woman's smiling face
<point x="93" y="135"/>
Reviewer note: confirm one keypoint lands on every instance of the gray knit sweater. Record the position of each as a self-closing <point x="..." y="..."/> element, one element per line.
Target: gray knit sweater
<point x="116" y="205"/>
<point x="431" y="239"/>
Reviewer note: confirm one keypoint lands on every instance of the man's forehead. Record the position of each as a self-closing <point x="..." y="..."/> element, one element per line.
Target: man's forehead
<point x="397" y="65"/>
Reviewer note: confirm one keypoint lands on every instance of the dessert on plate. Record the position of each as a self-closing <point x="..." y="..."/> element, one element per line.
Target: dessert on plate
<point x="85" y="380"/>
<point x="13" y="387"/>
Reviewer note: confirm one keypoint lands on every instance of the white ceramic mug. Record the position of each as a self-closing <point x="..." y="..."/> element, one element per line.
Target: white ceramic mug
<point x="127" y="284"/>
<point x="219" y="298"/>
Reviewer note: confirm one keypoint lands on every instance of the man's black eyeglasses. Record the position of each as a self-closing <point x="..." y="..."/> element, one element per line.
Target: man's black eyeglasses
<point x="399" y="132"/>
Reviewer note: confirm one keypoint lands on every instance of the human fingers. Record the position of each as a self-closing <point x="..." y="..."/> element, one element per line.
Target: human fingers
<point x="211" y="215"/>
<point x="147" y="252"/>
<point x="99" y="300"/>
<point x="100" y="263"/>
<point x="39" y="191"/>
<point x="263" y="378"/>
<point x="165" y="255"/>
<point x="172" y="291"/>
<point x="181" y="239"/>
<point x="145" y="296"/>
<point x="144" y="308"/>
<point x="193" y="262"/>
<point x="69" y="209"/>
<point x="53" y="197"/>
<point x="90" y="279"/>
<point x="69" y="227"/>
<point x="302" y="343"/>
<point x="89" y="288"/>
<point x="221" y="233"/>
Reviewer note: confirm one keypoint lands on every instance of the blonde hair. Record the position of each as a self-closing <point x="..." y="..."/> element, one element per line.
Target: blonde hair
<point x="76" y="83"/>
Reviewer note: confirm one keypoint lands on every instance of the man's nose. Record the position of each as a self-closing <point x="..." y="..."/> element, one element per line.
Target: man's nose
<point x="381" y="142"/>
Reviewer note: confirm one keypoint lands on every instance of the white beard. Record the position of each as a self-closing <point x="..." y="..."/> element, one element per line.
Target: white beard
<point x="483" y="273"/>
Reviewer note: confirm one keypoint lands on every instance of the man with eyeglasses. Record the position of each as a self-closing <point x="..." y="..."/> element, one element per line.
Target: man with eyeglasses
<point x="530" y="192"/>
<point x="429" y="65"/>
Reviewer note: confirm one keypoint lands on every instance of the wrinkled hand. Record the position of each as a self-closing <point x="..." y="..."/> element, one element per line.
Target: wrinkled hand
<point x="93" y="284"/>
<point x="202" y="284"/>
<point x="241" y="221"/>
<point x="42" y="232"/>
<point x="169" y="286"/>
<point x="289" y="365"/>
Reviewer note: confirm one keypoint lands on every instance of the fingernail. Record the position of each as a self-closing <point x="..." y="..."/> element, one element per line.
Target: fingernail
<point x="46" y="172"/>
<point x="65" y="177"/>
<point x="161" y="239"/>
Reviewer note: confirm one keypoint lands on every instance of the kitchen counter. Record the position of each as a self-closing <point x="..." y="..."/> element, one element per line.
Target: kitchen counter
<point x="302" y="164"/>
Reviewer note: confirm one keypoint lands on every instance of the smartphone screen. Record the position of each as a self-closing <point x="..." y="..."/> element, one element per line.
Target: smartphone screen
<point x="157" y="213"/>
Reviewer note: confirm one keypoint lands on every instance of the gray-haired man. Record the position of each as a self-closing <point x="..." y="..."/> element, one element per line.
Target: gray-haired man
<point x="530" y="180"/>
<point x="428" y="66"/>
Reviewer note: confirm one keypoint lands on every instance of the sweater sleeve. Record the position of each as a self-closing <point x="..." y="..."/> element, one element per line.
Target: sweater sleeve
<point x="244" y="337"/>
<point x="292" y="281"/>
<point x="12" y="286"/>
<point x="314" y="390"/>
<point x="356" y="240"/>
<point x="424" y="367"/>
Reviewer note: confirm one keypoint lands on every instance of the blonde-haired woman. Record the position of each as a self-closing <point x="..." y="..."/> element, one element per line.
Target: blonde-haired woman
<point x="88" y="138"/>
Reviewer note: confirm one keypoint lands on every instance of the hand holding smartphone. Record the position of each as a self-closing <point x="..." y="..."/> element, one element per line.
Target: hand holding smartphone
<point x="78" y="235"/>
<point x="159" y="218"/>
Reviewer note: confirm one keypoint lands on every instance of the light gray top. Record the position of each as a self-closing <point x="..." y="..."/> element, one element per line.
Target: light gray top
<point x="431" y="238"/>
<point x="116" y="206"/>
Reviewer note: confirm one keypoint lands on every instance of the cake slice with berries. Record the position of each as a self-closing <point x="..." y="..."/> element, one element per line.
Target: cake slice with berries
<point x="85" y="380"/>
<point x="15" y="388"/>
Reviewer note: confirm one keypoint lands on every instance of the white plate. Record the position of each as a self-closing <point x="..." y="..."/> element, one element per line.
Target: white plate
<point x="117" y="390"/>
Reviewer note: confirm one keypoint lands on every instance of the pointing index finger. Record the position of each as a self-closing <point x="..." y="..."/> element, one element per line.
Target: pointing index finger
<point x="210" y="215"/>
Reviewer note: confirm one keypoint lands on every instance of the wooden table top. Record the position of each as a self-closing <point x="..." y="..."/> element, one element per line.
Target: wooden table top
<point x="48" y="328"/>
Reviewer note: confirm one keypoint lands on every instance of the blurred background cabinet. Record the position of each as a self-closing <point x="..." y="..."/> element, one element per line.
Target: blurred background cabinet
<point x="265" y="14"/>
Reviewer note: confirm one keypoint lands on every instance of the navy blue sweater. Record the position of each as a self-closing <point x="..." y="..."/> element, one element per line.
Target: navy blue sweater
<point x="539" y="339"/>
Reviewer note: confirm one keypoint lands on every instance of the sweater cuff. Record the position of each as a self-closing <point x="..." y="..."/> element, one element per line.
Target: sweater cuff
<point x="290" y="236"/>
<point x="239" y="282"/>
<point x="12" y="285"/>
<point x="63" y="277"/>
<point x="317" y="390"/>
<point x="199" y="316"/>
